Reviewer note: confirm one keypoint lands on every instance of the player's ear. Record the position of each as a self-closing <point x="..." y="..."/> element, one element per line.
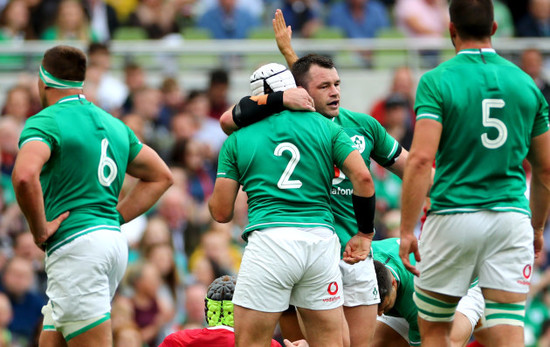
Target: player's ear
<point x="452" y="30"/>
<point x="494" y="28"/>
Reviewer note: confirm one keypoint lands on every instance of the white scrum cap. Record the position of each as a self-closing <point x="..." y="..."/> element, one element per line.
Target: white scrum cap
<point x="271" y="77"/>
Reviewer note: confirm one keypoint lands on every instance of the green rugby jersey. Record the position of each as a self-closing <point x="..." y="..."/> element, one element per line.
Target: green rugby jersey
<point x="285" y="164"/>
<point x="371" y="140"/>
<point x="489" y="110"/>
<point x="90" y="150"/>
<point x="387" y="252"/>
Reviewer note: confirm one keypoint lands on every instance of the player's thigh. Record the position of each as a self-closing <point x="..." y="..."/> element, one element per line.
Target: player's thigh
<point x="471" y="307"/>
<point x="450" y="248"/>
<point x="361" y="322"/>
<point x="359" y="281"/>
<point x="320" y="287"/>
<point x="461" y="330"/>
<point x="254" y="328"/>
<point x="98" y="336"/>
<point x="391" y="332"/>
<point x="78" y="295"/>
<point x="323" y="327"/>
<point x="509" y="255"/>
<point x="51" y="338"/>
<point x="290" y="325"/>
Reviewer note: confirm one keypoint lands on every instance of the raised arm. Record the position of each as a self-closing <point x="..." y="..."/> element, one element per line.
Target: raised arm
<point x="154" y="179"/>
<point x="283" y="36"/>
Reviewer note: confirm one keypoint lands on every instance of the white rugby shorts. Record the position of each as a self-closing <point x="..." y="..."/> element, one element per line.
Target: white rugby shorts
<point x="360" y="285"/>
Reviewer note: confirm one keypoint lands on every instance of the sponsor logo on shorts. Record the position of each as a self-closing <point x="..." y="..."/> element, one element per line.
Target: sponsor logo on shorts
<point x="527" y="271"/>
<point x="332" y="288"/>
<point x="332" y="299"/>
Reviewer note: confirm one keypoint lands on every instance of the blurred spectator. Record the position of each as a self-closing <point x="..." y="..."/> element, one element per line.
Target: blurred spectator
<point x="504" y="19"/>
<point x="27" y="305"/>
<point x="226" y="20"/>
<point x="536" y="23"/>
<point x="111" y="92"/>
<point x="302" y="15"/>
<point x="10" y="129"/>
<point x="218" y="88"/>
<point x="6" y="316"/>
<point x="190" y="155"/>
<point x="207" y="129"/>
<point x="151" y="311"/>
<point x="544" y="339"/>
<point x="358" y="18"/>
<point x="532" y="64"/>
<point x="157" y="17"/>
<point x="18" y="104"/>
<point x="423" y="19"/>
<point x="183" y="126"/>
<point x="134" y="78"/>
<point x="194" y="306"/>
<point x="402" y="83"/>
<point x="397" y="109"/>
<point x="103" y="19"/>
<point x="71" y="23"/>
<point x="24" y="247"/>
<point x="254" y="6"/>
<point x="15" y="22"/>
<point x="136" y="123"/>
<point x="173" y="100"/>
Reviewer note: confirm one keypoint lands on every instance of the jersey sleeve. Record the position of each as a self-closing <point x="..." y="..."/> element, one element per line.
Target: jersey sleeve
<point x="541" y="125"/>
<point x="428" y="99"/>
<point x="40" y="127"/>
<point x="135" y="144"/>
<point x="385" y="146"/>
<point x="341" y="145"/>
<point x="227" y="160"/>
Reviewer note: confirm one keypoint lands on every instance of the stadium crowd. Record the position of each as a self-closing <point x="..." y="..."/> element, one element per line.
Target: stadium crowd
<point x="176" y="249"/>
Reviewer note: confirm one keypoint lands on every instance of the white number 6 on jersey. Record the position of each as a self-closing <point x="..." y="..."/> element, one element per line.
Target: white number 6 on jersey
<point x="105" y="161"/>
<point x="487" y="105"/>
<point x="284" y="181"/>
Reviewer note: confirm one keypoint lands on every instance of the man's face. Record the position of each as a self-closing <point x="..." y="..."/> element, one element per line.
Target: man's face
<point x="389" y="300"/>
<point x="42" y="93"/>
<point x="324" y="87"/>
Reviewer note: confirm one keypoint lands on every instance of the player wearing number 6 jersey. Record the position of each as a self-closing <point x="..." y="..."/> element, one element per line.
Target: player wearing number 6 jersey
<point x="479" y="116"/>
<point x="67" y="177"/>
<point x="285" y="164"/>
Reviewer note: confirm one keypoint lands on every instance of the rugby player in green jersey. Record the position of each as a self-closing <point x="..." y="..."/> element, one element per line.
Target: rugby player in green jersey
<point x="67" y="178"/>
<point x="319" y="77"/>
<point x="479" y="116"/>
<point x="285" y="164"/>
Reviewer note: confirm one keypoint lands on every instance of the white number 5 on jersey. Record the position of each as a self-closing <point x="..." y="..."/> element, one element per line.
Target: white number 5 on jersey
<point x="285" y="182"/>
<point x="487" y="105"/>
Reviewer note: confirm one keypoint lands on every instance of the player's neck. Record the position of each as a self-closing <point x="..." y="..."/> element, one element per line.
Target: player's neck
<point x="472" y="44"/>
<point x="54" y="95"/>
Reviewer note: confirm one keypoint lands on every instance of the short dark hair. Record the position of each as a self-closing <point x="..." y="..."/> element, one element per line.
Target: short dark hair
<point x="96" y="47"/>
<point x="65" y="62"/>
<point x="219" y="76"/>
<point x="301" y="67"/>
<point x="473" y="19"/>
<point x="383" y="277"/>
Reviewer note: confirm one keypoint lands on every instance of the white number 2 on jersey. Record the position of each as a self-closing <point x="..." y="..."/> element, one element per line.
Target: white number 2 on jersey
<point x="284" y="181"/>
<point x="105" y="161"/>
<point x="487" y="105"/>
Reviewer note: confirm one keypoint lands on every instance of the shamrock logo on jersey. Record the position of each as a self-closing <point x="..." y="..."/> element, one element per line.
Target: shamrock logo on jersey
<point x="358" y="143"/>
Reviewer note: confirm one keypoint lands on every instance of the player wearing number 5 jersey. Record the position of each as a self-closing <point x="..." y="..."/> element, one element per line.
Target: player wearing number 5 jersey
<point x="67" y="179"/>
<point x="479" y="116"/>
<point x="285" y="164"/>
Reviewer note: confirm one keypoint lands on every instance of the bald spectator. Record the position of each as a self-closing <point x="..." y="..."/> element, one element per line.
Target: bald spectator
<point x="17" y="282"/>
<point x="532" y="64"/>
<point x="536" y="23"/>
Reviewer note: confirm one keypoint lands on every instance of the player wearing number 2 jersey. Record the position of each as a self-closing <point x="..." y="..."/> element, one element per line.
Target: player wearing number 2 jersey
<point x="285" y="164"/>
<point x="479" y="116"/>
<point x="67" y="179"/>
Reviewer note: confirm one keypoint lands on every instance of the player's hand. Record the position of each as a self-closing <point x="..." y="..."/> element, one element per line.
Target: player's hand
<point x="51" y="228"/>
<point x="283" y="33"/>
<point x="538" y="242"/>
<point x="298" y="99"/>
<point x="358" y="248"/>
<point x="409" y="244"/>
<point x="299" y="343"/>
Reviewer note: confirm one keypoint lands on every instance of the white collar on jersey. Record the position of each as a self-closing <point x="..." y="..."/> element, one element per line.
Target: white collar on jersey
<point x="477" y="51"/>
<point x="72" y="98"/>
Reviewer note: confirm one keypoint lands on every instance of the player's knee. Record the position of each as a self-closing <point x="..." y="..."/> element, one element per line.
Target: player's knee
<point x="497" y="313"/>
<point x="433" y="309"/>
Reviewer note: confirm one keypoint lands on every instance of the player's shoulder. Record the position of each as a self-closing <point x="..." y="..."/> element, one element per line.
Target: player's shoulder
<point x="355" y="117"/>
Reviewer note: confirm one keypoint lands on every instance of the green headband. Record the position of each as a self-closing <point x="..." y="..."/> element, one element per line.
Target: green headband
<point x="219" y="313"/>
<point x="58" y="83"/>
